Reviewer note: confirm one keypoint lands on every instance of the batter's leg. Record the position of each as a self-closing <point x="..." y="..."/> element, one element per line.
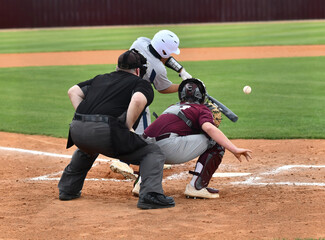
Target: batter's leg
<point x="145" y="121"/>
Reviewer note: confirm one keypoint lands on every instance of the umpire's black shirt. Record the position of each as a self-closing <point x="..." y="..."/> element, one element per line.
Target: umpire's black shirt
<point x="110" y="94"/>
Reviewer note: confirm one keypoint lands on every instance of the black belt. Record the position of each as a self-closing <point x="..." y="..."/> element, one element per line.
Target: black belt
<point x="90" y="118"/>
<point x="161" y="137"/>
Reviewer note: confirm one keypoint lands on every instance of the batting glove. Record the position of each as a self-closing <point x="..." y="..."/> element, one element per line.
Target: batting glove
<point x="184" y="75"/>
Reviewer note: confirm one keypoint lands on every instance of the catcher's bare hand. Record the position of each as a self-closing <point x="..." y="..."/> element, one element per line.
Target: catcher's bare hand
<point x="242" y="151"/>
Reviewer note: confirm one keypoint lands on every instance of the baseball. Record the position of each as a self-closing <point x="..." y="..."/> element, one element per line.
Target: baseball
<point x="247" y="89"/>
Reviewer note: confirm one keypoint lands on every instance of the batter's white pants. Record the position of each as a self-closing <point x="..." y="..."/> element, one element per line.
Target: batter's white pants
<point x="145" y="121"/>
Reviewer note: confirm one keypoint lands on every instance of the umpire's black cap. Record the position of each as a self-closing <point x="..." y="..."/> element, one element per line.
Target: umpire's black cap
<point x="131" y="59"/>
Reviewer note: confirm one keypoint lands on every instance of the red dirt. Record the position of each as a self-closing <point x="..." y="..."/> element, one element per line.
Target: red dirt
<point x="187" y="54"/>
<point x="281" y="204"/>
<point x="107" y="210"/>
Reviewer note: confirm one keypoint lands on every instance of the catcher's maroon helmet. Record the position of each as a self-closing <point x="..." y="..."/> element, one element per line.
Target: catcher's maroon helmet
<point x="192" y="90"/>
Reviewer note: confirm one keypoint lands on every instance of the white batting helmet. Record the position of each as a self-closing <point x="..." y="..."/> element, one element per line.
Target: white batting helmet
<point x="165" y="43"/>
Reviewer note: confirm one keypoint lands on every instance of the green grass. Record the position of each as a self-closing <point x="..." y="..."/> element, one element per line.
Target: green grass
<point x="287" y="99"/>
<point x="200" y="35"/>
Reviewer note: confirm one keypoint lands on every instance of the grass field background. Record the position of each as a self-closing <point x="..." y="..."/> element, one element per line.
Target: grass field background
<point x="287" y="101"/>
<point x="200" y="35"/>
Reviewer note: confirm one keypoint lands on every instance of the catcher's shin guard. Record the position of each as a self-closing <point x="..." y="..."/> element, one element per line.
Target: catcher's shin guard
<point x="209" y="163"/>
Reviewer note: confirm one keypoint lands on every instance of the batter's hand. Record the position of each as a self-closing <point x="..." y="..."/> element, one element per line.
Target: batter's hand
<point x="242" y="151"/>
<point x="184" y="75"/>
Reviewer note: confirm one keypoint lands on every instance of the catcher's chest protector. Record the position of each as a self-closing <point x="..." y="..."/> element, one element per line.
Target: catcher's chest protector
<point x="177" y="110"/>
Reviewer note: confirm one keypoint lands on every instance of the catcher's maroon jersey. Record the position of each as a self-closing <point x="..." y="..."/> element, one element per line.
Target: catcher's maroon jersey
<point x="171" y="123"/>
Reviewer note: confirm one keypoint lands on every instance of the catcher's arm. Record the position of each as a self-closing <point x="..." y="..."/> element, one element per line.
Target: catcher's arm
<point x="218" y="136"/>
<point x="176" y="66"/>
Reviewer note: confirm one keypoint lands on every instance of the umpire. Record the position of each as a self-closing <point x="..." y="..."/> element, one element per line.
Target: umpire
<point x="107" y="109"/>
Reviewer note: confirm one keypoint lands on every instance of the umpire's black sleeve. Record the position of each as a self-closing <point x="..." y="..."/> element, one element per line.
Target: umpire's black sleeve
<point x="145" y="88"/>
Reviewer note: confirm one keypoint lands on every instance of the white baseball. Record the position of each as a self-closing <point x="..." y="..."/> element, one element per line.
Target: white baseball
<point x="247" y="89"/>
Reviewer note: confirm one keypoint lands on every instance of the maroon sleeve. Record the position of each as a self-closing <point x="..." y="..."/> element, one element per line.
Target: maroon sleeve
<point x="205" y="115"/>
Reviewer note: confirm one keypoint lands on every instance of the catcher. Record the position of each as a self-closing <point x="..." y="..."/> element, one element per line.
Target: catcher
<point x="188" y="130"/>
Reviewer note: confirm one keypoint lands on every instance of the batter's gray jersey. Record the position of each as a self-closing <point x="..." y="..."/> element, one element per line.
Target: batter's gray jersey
<point x="156" y="71"/>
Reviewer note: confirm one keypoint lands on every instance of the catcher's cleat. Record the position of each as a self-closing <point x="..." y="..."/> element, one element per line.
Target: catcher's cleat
<point x="124" y="169"/>
<point x="67" y="196"/>
<point x="192" y="192"/>
<point x="154" y="200"/>
<point x="136" y="187"/>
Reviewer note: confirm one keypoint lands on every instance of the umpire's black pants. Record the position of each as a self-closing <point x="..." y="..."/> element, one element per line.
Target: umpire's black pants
<point x="92" y="139"/>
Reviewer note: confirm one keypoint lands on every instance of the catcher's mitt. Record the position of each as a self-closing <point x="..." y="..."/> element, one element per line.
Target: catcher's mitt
<point x="215" y="112"/>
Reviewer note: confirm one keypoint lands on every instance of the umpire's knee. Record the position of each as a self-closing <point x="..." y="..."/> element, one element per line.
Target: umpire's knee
<point x="155" y="150"/>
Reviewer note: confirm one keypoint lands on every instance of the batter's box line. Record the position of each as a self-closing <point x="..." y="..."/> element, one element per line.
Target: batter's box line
<point x="254" y="181"/>
<point x="288" y="167"/>
<point x="249" y="181"/>
<point x="47" y="153"/>
<point x="50" y="177"/>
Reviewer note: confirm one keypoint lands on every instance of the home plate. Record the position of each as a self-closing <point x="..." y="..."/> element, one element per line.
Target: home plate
<point x="230" y="174"/>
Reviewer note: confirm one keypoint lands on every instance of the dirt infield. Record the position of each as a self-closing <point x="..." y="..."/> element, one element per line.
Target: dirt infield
<point x="187" y="54"/>
<point x="282" y="197"/>
<point x="277" y="195"/>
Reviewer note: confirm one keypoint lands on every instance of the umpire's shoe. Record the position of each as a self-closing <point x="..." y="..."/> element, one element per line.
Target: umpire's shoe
<point x="63" y="196"/>
<point x="154" y="200"/>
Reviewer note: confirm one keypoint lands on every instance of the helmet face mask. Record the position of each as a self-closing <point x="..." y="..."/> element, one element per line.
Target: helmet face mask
<point x="192" y="90"/>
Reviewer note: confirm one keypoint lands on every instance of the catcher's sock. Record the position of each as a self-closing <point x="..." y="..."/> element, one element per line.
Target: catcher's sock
<point x="198" y="169"/>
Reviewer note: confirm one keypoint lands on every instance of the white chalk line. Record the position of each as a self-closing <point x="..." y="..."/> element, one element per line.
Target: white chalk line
<point x="249" y="181"/>
<point x="255" y="180"/>
<point x="47" y="178"/>
<point x="230" y="174"/>
<point x="46" y="153"/>
<point x="288" y="167"/>
<point x="50" y="177"/>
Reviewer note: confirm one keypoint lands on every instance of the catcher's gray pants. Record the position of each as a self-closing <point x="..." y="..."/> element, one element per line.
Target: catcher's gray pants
<point x="181" y="149"/>
<point x="92" y="139"/>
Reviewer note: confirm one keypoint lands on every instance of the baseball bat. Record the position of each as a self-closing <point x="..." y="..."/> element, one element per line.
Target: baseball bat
<point x="226" y="111"/>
